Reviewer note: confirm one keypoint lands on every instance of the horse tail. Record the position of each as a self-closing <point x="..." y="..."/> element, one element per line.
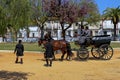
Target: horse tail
<point x="69" y="50"/>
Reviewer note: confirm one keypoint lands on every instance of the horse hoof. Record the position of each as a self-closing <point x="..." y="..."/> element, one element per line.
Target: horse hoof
<point x="61" y="59"/>
<point x="69" y="59"/>
<point x="54" y="59"/>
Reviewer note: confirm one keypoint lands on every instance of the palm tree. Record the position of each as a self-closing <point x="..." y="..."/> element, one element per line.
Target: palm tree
<point x="114" y="15"/>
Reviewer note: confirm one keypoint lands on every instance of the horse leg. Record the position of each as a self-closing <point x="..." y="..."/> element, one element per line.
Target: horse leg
<point x="69" y="56"/>
<point x="63" y="53"/>
<point x="53" y="56"/>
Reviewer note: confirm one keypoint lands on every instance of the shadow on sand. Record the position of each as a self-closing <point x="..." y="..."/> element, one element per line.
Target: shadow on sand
<point x="43" y="59"/>
<point x="0" y="55"/>
<point x="7" y="75"/>
<point x="90" y="58"/>
<point x="118" y="57"/>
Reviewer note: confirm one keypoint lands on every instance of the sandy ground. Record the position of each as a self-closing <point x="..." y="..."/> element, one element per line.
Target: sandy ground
<point x="33" y="68"/>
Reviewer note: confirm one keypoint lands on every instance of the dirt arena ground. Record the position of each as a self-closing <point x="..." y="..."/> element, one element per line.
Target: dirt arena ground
<point x="33" y="68"/>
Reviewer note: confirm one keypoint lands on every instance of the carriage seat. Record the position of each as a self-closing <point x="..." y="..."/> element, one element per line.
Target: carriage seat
<point x="101" y="39"/>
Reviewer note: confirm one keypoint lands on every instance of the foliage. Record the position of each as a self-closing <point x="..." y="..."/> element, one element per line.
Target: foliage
<point x="3" y="18"/>
<point x="19" y="14"/>
<point x="62" y="10"/>
<point x="88" y="12"/>
<point x="114" y="15"/>
<point x="15" y="15"/>
<point x="71" y="11"/>
<point x="39" y="16"/>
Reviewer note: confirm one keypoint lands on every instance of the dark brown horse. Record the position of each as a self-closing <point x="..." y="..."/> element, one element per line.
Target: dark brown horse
<point x="57" y="45"/>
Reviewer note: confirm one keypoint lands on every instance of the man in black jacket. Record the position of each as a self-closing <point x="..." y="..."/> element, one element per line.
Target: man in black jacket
<point x="19" y="49"/>
<point x="49" y="53"/>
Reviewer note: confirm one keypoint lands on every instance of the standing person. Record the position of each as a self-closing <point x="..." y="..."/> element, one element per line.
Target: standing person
<point x="49" y="53"/>
<point x="100" y="31"/>
<point x="19" y="50"/>
<point x="75" y="36"/>
<point x="82" y="35"/>
<point x="88" y="32"/>
<point x="69" y="52"/>
<point x="82" y="32"/>
<point x="48" y="36"/>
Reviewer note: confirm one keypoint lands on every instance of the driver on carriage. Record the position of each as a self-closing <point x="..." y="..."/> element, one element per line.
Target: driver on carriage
<point x="84" y="36"/>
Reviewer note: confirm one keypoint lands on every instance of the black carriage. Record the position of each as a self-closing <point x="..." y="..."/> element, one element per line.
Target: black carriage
<point x="101" y="48"/>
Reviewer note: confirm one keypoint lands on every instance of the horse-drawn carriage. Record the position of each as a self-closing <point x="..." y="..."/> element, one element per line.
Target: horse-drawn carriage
<point x="100" y="48"/>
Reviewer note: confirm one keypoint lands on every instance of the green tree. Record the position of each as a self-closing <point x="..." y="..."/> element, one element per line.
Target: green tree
<point x="3" y="18"/>
<point x="39" y="16"/>
<point x="19" y="15"/>
<point x="88" y="12"/>
<point x="64" y="11"/>
<point x="114" y="15"/>
<point x="72" y="11"/>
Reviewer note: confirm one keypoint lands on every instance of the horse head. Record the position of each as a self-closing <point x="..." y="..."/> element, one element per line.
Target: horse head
<point x="40" y="42"/>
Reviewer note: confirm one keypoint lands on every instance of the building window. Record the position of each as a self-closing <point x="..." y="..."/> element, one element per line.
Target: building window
<point x="69" y="33"/>
<point x="28" y="34"/>
<point x="20" y="35"/>
<point x="55" y="33"/>
<point x="96" y="32"/>
<point x="33" y="34"/>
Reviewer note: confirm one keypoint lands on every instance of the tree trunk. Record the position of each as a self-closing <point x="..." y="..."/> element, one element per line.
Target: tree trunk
<point x="81" y="23"/>
<point x="63" y="30"/>
<point x="114" y="32"/>
<point x="63" y="34"/>
<point x="27" y="31"/>
<point x="3" y="38"/>
<point x="28" y="34"/>
<point x="15" y="36"/>
<point x="42" y="31"/>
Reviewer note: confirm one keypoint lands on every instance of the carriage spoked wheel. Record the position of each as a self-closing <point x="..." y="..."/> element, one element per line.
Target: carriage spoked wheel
<point x="107" y="51"/>
<point x="96" y="53"/>
<point x="83" y="54"/>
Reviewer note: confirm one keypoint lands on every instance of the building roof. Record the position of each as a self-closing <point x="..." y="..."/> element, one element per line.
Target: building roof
<point x="33" y="28"/>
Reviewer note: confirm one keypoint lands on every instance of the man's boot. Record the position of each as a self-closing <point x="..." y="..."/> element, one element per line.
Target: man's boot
<point x="16" y="60"/>
<point x="47" y="62"/>
<point x="50" y="62"/>
<point x="21" y="61"/>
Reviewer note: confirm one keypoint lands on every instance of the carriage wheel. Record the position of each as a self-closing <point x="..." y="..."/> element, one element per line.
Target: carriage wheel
<point x="107" y="51"/>
<point x="96" y="53"/>
<point x="82" y="56"/>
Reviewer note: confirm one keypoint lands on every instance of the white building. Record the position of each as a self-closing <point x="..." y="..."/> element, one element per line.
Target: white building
<point x="54" y="26"/>
<point x="28" y="36"/>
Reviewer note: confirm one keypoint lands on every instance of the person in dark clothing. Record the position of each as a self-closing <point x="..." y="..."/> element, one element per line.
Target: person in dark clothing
<point x="48" y="36"/>
<point x="88" y="32"/>
<point x="82" y="37"/>
<point x="49" y="53"/>
<point x="69" y="52"/>
<point x="19" y="49"/>
<point x="88" y="35"/>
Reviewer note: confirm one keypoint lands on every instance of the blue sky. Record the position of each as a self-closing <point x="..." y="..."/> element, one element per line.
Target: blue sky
<point x="103" y="4"/>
